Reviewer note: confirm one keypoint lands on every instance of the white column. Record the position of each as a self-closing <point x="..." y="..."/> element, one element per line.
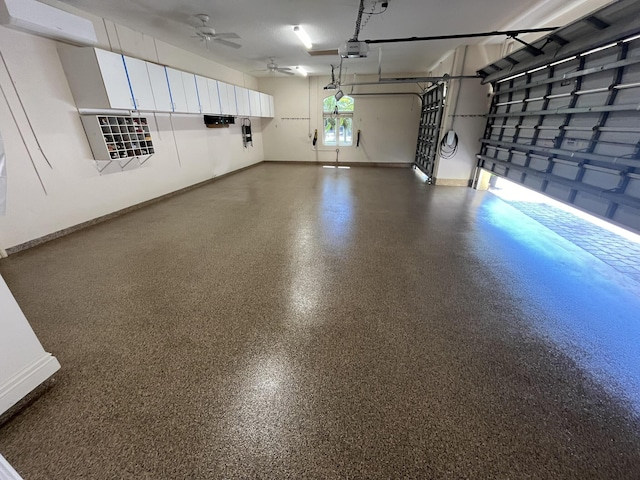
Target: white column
<point x="23" y="362"/>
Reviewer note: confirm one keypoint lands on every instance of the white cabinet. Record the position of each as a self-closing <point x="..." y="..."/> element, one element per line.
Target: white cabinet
<point x="231" y="101"/>
<point x="242" y="100"/>
<point x="264" y="105"/>
<point x="159" y="87"/>
<point x="97" y="78"/>
<point x="203" y="94"/>
<point x="115" y="79"/>
<point x="272" y="109"/>
<point x="105" y="80"/>
<point x="191" y="92"/>
<point x="140" y="84"/>
<point x="214" y="96"/>
<point x="254" y="103"/>
<point x="176" y="87"/>
<point x="224" y="97"/>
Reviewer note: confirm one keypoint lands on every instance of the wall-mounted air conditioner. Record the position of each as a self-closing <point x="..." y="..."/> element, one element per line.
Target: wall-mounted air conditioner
<point x="34" y="17"/>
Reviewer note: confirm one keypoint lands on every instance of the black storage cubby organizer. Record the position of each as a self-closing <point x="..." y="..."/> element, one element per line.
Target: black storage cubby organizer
<point x="120" y="138"/>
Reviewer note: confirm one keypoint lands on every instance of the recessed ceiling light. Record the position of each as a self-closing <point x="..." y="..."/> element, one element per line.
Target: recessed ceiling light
<point x="301" y="71"/>
<point x="302" y="35"/>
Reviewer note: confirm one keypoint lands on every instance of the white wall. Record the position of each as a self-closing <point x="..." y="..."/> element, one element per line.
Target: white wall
<point x="389" y="124"/>
<point x="75" y="191"/>
<point x="466" y="103"/>
<point x="23" y="362"/>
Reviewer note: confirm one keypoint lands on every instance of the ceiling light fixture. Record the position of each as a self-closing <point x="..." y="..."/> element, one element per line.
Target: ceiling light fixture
<point x="339" y="95"/>
<point x="302" y="35"/>
<point x="301" y="71"/>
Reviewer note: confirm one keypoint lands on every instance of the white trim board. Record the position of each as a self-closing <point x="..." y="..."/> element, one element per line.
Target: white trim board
<point x="7" y="472"/>
<point x="23" y="382"/>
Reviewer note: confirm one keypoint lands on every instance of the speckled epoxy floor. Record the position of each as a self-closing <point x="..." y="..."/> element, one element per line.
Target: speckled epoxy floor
<point x="297" y="322"/>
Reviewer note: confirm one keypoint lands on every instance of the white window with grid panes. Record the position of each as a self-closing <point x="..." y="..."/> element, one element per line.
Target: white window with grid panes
<point x="338" y="121"/>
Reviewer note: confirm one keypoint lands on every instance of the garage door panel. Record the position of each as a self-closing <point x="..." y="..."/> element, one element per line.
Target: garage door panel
<point x="538" y="91"/>
<point x="592" y="99"/>
<point x="534" y="183"/>
<point x="633" y="189"/>
<point x="535" y="105"/>
<point x="539" y="164"/>
<point x="519" y="159"/>
<point x="565" y="171"/>
<point x="562" y="102"/>
<point x="600" y="179"/>
<point x="629" y="95"/>
<point x="571" y="66"/>
<point x="560" y="192"/>
<point x="591" y="203"/>
<point x="509" y="132"/>
<point x="614" y="150"/>
<point x="627" y="216"/>
<point x="500" y="170"/>
<point x="514" y="174"/>
<point x="546" y="137"/>
<point x="553" y="122"/>
<point x="631" y="73"/>
<point x="601" y="57"/>
<point x="620" y="121"/>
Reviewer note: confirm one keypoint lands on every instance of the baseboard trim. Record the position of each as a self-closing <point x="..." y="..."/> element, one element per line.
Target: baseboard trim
<point x="7" y="472"/>
<point x="344" y="164"/>
<point x="451" y="182"/>
<point x="26" y="380"/>
<point x="89" y="223"/>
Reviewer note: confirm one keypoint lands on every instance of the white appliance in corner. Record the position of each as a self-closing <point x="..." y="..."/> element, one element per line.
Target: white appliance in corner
<point x="34" y="17"/>
<point x="23" y="362"/>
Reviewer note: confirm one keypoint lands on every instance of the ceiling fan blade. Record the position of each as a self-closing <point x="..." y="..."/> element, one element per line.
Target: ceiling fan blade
<point x="317" y="53"/>
<point x="227" y="35"/>
<point x="284" y="70"/>
<point x="226" y="43"/>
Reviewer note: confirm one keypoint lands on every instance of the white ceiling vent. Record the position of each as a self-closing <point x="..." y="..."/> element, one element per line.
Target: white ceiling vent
<point x="34" y="17"/>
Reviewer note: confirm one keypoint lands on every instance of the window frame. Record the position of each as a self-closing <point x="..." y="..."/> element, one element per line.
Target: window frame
<point x="338" y="116"/>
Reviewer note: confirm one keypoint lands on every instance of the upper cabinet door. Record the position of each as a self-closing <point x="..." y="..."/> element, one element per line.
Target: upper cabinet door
<point x="272" y="109"/>
<point x="140" y="84"/>
<point x="214" y="96"/>
<point x="191" y="92"/>
<point x="203" y="94"/>
<point x="242" y="99"/>
<point x="254" y="103"/>
<point x="224" y="97"/>
<point x="264" y="105"/>
<point x="231" y="100"/>
<point x="115" y="79"/>
<point x="159" y="87"/>
<point x="178" y="97"/>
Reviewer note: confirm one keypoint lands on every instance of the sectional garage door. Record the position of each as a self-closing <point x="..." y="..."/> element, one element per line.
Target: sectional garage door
<point x="565" y="115"/>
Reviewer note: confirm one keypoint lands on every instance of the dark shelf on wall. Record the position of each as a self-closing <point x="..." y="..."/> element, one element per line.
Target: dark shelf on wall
<point x="218" y="121"/>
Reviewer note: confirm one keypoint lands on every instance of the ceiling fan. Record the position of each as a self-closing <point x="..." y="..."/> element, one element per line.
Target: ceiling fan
<point x="208" y="34"/>
<point x="272" y="67"/>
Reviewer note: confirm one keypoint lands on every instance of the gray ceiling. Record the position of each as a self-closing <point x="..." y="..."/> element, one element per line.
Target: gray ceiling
<point x="266" y="27"/>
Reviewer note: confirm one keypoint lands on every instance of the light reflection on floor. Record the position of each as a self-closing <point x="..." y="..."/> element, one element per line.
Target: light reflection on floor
<point x="586" y="307"/>
<point x="336" y="208"/>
